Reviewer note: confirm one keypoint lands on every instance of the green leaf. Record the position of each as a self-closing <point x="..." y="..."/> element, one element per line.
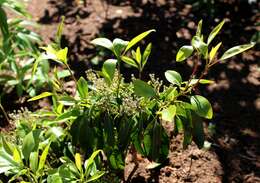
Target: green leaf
<point x="236" y="50"/>
<point x="7" y="163"/>
<point x="42" y="95"/>
<point x="199" y="45"/>
<point x="34" y="161"/>
<point x="168" y="114"/>
<point x="104" y="42"/>
<point x="215" y="31"/>
<point x="108" y="69"/>
<point x="173" y="77"/>
<point x="62" y="55"/>
<point x="201" y="106"/>
<point x="184" y="53"/>
<point x="43" y="157"/>
<point x="90" y="162"/>
<point x="138" y="55"/>
<point x="78" y="162"/>
<point x="118" y="46"/>
<point x="67" y="100"/>
<point x="201" y="81"/>
<point x="96" y="176"/>
<point x="82" y="87"/>
<point x="59" y="31"/>
<point x="17" y="156"/>
<point x="213" y="51"/>
<point x="30" y="143"/>
<point x="129" y="61"/>
<point x="137" y="39"/>
<point x="198" y="130"/>
<point x="198" y="32"/>
<point x="142" y="89"/>
<point x="146" y="54"/>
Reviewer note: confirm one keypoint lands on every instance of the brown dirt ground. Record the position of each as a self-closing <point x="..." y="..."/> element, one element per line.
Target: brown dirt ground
<point x="236" y="96"/>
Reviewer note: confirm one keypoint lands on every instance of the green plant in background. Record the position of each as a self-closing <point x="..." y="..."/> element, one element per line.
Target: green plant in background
<point x="107" y="113"/>
<point x="113" y="114"/>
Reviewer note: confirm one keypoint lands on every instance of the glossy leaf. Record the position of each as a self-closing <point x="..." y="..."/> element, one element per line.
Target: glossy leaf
<point x="146" y="54"/>
<point x="62" y="55"/>
<point x="42" y="95"/>
<point x="138" y="55"/>
<point x="96" y="176"/>
<point x="183" y="53"/>
<point x="104" y="42"/>
<point x="137" y="39"/>
<point x="108" y="69"/>
<point x="17" y="156"/>
<point x="236" y="50"/>
<point x="129" y="61"/>
<point x="202" y="106"/>
<point x="78" y="162"/>
<point x="142" y="89"/>
<point x="213" y="51"/>
<point x="118" y="46"/>
<point x="169" y="113"/>
<point x="173" y="77"/>
<point x="215" y="31"/>
<point x="199" y="45"/>
<point x="90" y="162"/>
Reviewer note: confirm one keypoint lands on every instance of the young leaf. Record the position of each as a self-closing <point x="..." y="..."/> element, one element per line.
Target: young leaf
<point x="82" y="87"/>
<point x="184" y="53"/>
<point x="90" y="162"/>
<point x="201" y="106"/>
<point x="108" y="69"/>
<point x="213" y="51"/>
<point x="198" y="32"/>
<point x="96" y="176"/>
<point x="78" y="161"/>
<point x="129" y="61"/>
<point x="62" y="55"/>
<point x="30" y="143"/>
<point x="17" y="156"/>
<point x="42" y="95"/>
<point x="146" y="54"/>
<point x="59" y="31"/>
<point x="137" y="39"/>
<point x="173" y="77"/>
<point x="43" y="157"/>
<point x="169" y="113"/>
<point x="202" y="47"/>
<point x="236" y="50"/>
<point x="34" y="161"/>
<point x="138" y="55"/>
<point x="142" y="89"/>
<point x="104" y="42"/>
<point x="118" y="46"/>
<point x="215" y="31"/>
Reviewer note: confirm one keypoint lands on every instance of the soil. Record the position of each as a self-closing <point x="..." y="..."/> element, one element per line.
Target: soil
<point x="235" y="152"/>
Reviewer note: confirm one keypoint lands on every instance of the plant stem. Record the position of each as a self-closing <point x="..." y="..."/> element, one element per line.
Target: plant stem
<point x="5" y="114"/>
<point x="71" y="73"/>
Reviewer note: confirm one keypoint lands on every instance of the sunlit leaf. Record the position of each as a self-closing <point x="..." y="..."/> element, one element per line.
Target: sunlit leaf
<point x="137" y="39"/>
<point x="213" y="51"/>
<point x="146" y="54"/>
<point x="34" y="161"/>
<point x="129" y="61"/>
<point x="82" y="87"/>
<point x="236" y="50"/>
<point x="199" y="45"/>
<point x="104" y="42"/>
<point x="118" y="46"/>
<point x="215" y="31"/>
<point x="108" y="69"/>
<point x="78" y="161"/>
<point x="198" y="32"/>
<point x="43" y="157"/>
<point x="169" y="113"/>
<point x="173" y="77"/>
<point x="42" y="95"/>
<point x="201" y="106"/>
<point x="138" y="55"/>
<point x="184" y="53"/>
